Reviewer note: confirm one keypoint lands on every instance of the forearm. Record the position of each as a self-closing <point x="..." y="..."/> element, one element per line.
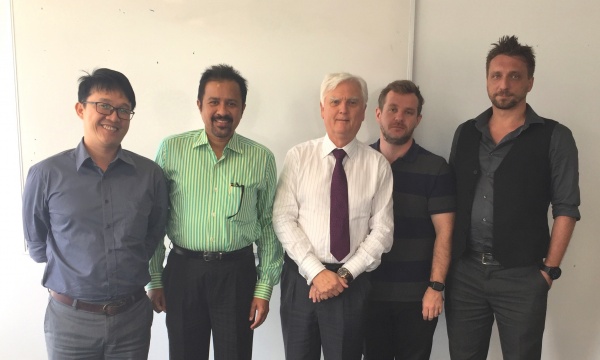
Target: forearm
<point x="562" y="230"/>
<point x="443" y="224"/>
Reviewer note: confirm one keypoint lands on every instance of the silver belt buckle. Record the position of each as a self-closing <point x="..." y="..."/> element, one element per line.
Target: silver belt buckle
<point x="113" y="307"/>
<point x="487" y="259"/>
<point x="211" y="255"/>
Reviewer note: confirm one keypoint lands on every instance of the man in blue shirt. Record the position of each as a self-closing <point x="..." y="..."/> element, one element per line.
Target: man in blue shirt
<point x="94" y="215"/>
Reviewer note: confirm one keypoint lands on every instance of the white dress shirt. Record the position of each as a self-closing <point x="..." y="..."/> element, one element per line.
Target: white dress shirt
<point x="301" y="209"/>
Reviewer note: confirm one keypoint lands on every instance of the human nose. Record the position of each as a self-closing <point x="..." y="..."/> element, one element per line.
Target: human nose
<point x="503" y="83"/>
<point x="343" y="108"/>
<point x="113" y="115"/>
<point x="222" y="109"/>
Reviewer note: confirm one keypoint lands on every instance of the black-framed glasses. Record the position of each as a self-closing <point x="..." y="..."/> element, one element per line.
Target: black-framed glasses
<point x="108" y="109"/>
<point x="241" y="197"/>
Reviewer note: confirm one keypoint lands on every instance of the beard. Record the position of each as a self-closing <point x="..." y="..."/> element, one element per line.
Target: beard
<point x="508" y="103"/>
<point x="401" y="140"/>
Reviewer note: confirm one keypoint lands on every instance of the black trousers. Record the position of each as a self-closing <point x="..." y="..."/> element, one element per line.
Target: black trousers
<point x="516" y="298"/>
<point x="209" y="296"/>
<point x="336" y="324"/>
<point x="396" y="330"/>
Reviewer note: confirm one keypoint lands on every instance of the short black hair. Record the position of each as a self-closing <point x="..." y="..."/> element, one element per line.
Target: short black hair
<point x="509" y="46"/>
<point x="105" y="80"/>
<point x="402" y="87"/>
<point x="222" y="72"/>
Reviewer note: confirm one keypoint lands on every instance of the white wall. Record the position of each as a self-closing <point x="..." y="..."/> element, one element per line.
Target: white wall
<point x="452" y="39"/>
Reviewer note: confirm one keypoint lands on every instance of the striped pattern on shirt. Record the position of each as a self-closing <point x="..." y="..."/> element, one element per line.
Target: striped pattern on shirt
<point x="220" y="204"/>
<point x="423" y="186"/>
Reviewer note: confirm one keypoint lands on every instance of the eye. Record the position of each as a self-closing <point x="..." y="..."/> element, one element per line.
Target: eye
<point x="124" y="111"/>
<point x="353" y="102"/>
<point x="105" y="106"/>
<point x="393" y="110"/>
<point x="334" y="102"/>
<point x="213" y="102"/>
<point x="232" y="104"/>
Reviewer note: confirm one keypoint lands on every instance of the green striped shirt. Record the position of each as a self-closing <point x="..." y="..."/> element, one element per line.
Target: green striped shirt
<point x="221" y="204"/>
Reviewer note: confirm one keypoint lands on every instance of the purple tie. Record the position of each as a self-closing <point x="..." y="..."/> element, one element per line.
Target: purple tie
<point x="339" y="226"/>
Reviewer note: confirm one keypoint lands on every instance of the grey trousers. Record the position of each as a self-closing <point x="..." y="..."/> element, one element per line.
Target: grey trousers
<point x="79" y="335"/>
<point x="478" y="294"/>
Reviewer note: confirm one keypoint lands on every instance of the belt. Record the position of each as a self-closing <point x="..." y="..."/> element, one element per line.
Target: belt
<point x="111" y="308"/>
<point x="483" y="258"/>
<point x="213" y="255"/>
<point x="331" y="267"/>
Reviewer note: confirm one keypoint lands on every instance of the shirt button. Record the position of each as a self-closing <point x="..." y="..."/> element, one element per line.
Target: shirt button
<point x="485" y="196"/>
<point x="214" y="214"/>
<point x="107" y="226"/>
<point x="212" y="239"/>
<point x="484" y="219"/>
<point x="215" y="188"/>
<point x="106" y="201"/>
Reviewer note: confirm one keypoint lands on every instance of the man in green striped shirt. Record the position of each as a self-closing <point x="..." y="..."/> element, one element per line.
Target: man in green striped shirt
<point x="221" y="189"/>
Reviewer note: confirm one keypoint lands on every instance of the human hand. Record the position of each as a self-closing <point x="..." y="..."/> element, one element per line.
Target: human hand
<point x="157" y="296"/>
<point x="259" y="309"/>
<point x="433" y="304"/>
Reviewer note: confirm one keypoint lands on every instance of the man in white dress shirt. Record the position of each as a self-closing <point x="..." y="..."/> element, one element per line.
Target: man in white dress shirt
<point x="323" y="295"/>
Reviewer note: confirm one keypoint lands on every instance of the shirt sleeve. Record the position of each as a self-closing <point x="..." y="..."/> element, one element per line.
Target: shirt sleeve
<point x="157" y="220"/>
<point x="36" y="217"/>
<point x="285" y="220"/>
<point x="270" y="252"/>
<point x="564" y="167"/>
<point x="381" y="226"/>
<point x="158" y="258"/>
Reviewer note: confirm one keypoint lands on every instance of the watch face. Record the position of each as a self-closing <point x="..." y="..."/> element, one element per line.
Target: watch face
<point x="437" y="286"/>
<point x="554" y="273"/>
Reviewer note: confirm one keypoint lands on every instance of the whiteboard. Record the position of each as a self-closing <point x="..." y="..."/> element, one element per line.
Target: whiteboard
<point x="283" y="48"/>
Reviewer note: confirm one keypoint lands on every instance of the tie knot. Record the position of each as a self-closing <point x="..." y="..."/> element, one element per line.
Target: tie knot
<point x="339" y="154"/>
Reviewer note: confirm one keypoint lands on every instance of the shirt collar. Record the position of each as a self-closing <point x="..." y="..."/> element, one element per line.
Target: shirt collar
<point x="482" y="121"/>
<point x="411" y="154"/>
<point x="328" y="146"/>
<point x="233" y="144"/>
<point x="81" y="155"/>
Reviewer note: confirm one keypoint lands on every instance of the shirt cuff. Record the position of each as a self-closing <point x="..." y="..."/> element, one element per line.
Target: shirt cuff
<point x="263" y="291"/>
<point x="155" y="282"/>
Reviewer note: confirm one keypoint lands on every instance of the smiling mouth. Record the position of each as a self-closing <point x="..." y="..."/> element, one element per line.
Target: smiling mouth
<point x="109" y="128"/>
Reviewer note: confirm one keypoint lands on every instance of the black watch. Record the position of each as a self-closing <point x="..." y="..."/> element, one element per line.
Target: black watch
<point x="345" y="274"/>
<point x="553" y="272"/>
<point x="437" y="286"/>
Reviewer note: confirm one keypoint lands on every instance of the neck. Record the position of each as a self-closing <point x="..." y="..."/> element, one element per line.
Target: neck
<point x="340" y="143"/>
<point x="392" y="152"/>
<point x="218" y="145"/>
<point x="516" y="115"/>
<point x="102" y="157"/>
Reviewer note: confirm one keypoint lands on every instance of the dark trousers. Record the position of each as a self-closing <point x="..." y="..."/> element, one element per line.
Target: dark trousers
<point x="336" y="324"/>
<point x="209" y="296"/>
<point x="396" y="330"/>
<point x="516" y="298"/>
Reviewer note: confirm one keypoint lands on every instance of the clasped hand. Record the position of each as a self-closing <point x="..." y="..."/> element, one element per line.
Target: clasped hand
<point x="325" y="285"/>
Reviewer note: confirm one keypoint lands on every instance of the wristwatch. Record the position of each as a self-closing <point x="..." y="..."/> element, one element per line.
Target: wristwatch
<point x="437" y="286"/>
<point x="345" y="274"/>
<point x="553" y="272"/>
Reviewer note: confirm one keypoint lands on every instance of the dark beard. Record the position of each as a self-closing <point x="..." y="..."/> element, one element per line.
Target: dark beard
<point x="396" y="141"/>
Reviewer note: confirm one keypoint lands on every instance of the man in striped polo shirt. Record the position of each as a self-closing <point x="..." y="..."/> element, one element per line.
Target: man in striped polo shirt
<point x="221" y="190"/>
<point x="406" y="297"/>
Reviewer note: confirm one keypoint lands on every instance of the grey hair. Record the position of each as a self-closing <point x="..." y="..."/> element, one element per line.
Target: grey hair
<point x="331" y="81"/>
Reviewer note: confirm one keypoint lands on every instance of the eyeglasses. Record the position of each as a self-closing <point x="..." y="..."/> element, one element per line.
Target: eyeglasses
<point x="108" y="109"/>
